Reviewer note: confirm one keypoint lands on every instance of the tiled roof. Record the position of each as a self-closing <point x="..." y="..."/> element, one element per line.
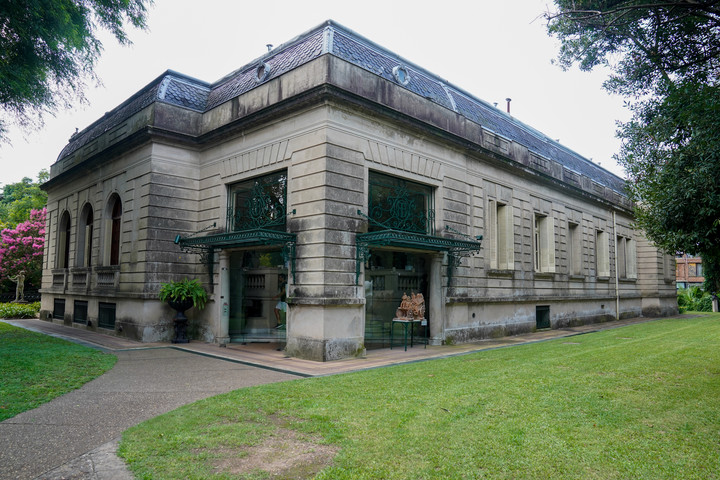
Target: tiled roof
<point x="334" y="39"/>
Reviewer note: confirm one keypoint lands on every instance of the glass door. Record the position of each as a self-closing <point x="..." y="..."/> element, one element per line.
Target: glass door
<point x="258" y="307"/>
<point x="391" y="274"/>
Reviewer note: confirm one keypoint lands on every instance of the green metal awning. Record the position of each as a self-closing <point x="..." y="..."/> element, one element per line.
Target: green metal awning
<point x="207" y="244"/>
<point x="456" y="248"/>
<point x="396" y="238"/>
<point x="244" y="238"/>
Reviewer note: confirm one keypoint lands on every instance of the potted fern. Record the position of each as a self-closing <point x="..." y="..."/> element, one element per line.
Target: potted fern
<point x="181" y="296"/>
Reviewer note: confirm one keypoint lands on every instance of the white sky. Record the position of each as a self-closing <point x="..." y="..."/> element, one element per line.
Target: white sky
<point x="492" y="49"/>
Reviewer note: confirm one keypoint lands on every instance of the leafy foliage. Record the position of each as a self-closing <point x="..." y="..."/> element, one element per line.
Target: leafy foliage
<point x="48" y="49"/>
<point x="183" y="290"/>
<point x="648" y="44"/>
<point x="19" y="310"/>
<point x="665" y="57"/>
<point x="694" y="299"/>
<point x="19" y="199"/>
<point x="21" y="248"/>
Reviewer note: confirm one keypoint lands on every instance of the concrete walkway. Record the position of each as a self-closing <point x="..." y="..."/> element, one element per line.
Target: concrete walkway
<point x="143" y="384"/>
<point x="75" y="436"/>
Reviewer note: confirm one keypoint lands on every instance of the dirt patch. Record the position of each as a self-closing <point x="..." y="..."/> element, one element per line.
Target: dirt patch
<point x="286" y="454"/>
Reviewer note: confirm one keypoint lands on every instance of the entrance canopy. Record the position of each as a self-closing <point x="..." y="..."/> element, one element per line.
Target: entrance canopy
<point x="456" y="248"/>
<point x="242" y="239"/>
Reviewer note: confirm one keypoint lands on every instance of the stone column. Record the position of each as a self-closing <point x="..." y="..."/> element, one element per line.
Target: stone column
<point x="436" y="311"/>
<point x="222" y="335"/>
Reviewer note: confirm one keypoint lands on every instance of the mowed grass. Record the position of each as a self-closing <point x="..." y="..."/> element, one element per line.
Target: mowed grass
<point x="640" y="402"/>
<point x="35" y="368"/>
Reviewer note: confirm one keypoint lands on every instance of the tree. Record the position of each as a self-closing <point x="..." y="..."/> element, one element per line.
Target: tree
<point x="19" y="199"/>
<point x="48" y="49"/>
<point x="665" y="58"/>
<point x="21" y="248"/>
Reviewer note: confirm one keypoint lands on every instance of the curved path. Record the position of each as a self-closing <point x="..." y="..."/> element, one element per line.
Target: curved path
<point x="143" y="383"/>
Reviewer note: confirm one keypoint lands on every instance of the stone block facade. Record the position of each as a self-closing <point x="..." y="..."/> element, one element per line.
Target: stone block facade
<point x="334" y="185"/>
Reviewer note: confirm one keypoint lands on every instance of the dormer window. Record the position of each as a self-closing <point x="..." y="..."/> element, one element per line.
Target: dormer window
<point x="401" y="75"/>
<point x="262" y="72"/>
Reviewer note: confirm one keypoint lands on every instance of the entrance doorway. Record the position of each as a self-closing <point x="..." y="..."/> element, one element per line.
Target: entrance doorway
<point x="388" y="275"/>
<point x="258" y="288"/>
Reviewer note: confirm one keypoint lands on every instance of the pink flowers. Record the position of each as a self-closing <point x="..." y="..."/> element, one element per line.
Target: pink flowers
<point x="21" y="248"/>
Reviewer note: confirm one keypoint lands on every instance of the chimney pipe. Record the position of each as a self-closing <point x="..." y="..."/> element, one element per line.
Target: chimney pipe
<point x="508" y="100"/>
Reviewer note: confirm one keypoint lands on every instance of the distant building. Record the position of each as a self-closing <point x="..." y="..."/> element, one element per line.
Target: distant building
<point x="342" y="176"/>
<point x="688" y="271"/>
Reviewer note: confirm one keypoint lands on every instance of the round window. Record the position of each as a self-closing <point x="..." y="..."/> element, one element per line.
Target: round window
<point x="262" y="72"/>
<point x="401" y="75"/>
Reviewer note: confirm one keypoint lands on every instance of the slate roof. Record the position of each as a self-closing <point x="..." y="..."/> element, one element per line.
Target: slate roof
<point x="332" y="38"/>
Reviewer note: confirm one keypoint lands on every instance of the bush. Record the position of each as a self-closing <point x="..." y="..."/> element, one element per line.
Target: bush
<point x="694" y="299"/>
<point x="19" y="310"/>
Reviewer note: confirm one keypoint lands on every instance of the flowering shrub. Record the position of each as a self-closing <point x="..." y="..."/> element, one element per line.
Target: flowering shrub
<point x="21" y="248"/>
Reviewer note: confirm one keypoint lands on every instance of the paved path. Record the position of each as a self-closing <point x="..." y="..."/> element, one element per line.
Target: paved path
<point x="143" y="384"/>
<point x="75" y="436"/>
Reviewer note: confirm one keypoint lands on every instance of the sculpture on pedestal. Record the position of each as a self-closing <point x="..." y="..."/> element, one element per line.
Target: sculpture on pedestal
<point x="412" y="307"/>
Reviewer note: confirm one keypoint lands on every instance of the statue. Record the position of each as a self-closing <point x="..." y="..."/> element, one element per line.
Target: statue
<point x="418" y="306"/>
<point x="404" y="308"/>
<point x="412" y="307"/>
<point x="20" y="288"/>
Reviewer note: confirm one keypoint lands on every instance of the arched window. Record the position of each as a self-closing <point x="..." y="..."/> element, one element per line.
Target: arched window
<point x="63" y="244"/>
<point x="113" y="224"/>
<point x="85" y="237"/>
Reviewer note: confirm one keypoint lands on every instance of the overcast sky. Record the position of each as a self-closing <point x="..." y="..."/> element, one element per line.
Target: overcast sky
<point x="491" y="49"/>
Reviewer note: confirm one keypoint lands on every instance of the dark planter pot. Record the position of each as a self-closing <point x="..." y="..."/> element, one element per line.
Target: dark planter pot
<point x="180" y="319"/>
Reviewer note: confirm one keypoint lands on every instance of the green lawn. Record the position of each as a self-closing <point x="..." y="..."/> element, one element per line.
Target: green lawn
<point x="36" y="368"/>
<point x="636" y="402"/>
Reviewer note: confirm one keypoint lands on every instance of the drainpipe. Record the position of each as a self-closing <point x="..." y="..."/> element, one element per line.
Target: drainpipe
<point x="617" y="276"/>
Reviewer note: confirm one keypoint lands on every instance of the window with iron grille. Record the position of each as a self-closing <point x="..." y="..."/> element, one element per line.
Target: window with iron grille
<point x="80" y="312"/>
<point x="398" y="204"/>
<point x="59" y="308"/>
<point x="106" y="315"/>
<point x="260" y="202"/>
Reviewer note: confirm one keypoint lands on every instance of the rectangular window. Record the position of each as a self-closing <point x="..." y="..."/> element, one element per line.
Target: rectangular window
<point x="631" y="258"/>
<point x="502" y="237"/>
<point x="80" y="312"/>
<point x="574" y="247"/>
<point x="59" y="308"/>
<point x="602" y="253"/>
<point x="398" y="204"/>
<point x="543" y="244"/>
<point x="626" y="258"/>
<point x="620" y="252"/>
<point x="106" y="315"/>
<point x="258" y="203"/>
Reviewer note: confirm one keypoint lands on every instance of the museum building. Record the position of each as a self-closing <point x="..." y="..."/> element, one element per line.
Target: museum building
<point x="337" y="176"/>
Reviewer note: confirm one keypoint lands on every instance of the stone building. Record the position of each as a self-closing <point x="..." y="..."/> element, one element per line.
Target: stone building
<point x="345" y="176"/>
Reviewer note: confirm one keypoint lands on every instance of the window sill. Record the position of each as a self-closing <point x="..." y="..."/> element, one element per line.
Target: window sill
<point x="602" y="279"/>
<point x="545" y="275"/>
<point x="501" y="273"/>
<point x="576" y="278"/>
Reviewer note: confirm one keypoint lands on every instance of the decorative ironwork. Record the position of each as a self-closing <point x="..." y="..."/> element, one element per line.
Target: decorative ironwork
<point x="456" y="248"/>
<point x="397" y="204"/>
<point x="460" y="250"/>
<point x="205" y="252"/>
<point x="262" y="205"/>
<point x="246" y="238"/>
